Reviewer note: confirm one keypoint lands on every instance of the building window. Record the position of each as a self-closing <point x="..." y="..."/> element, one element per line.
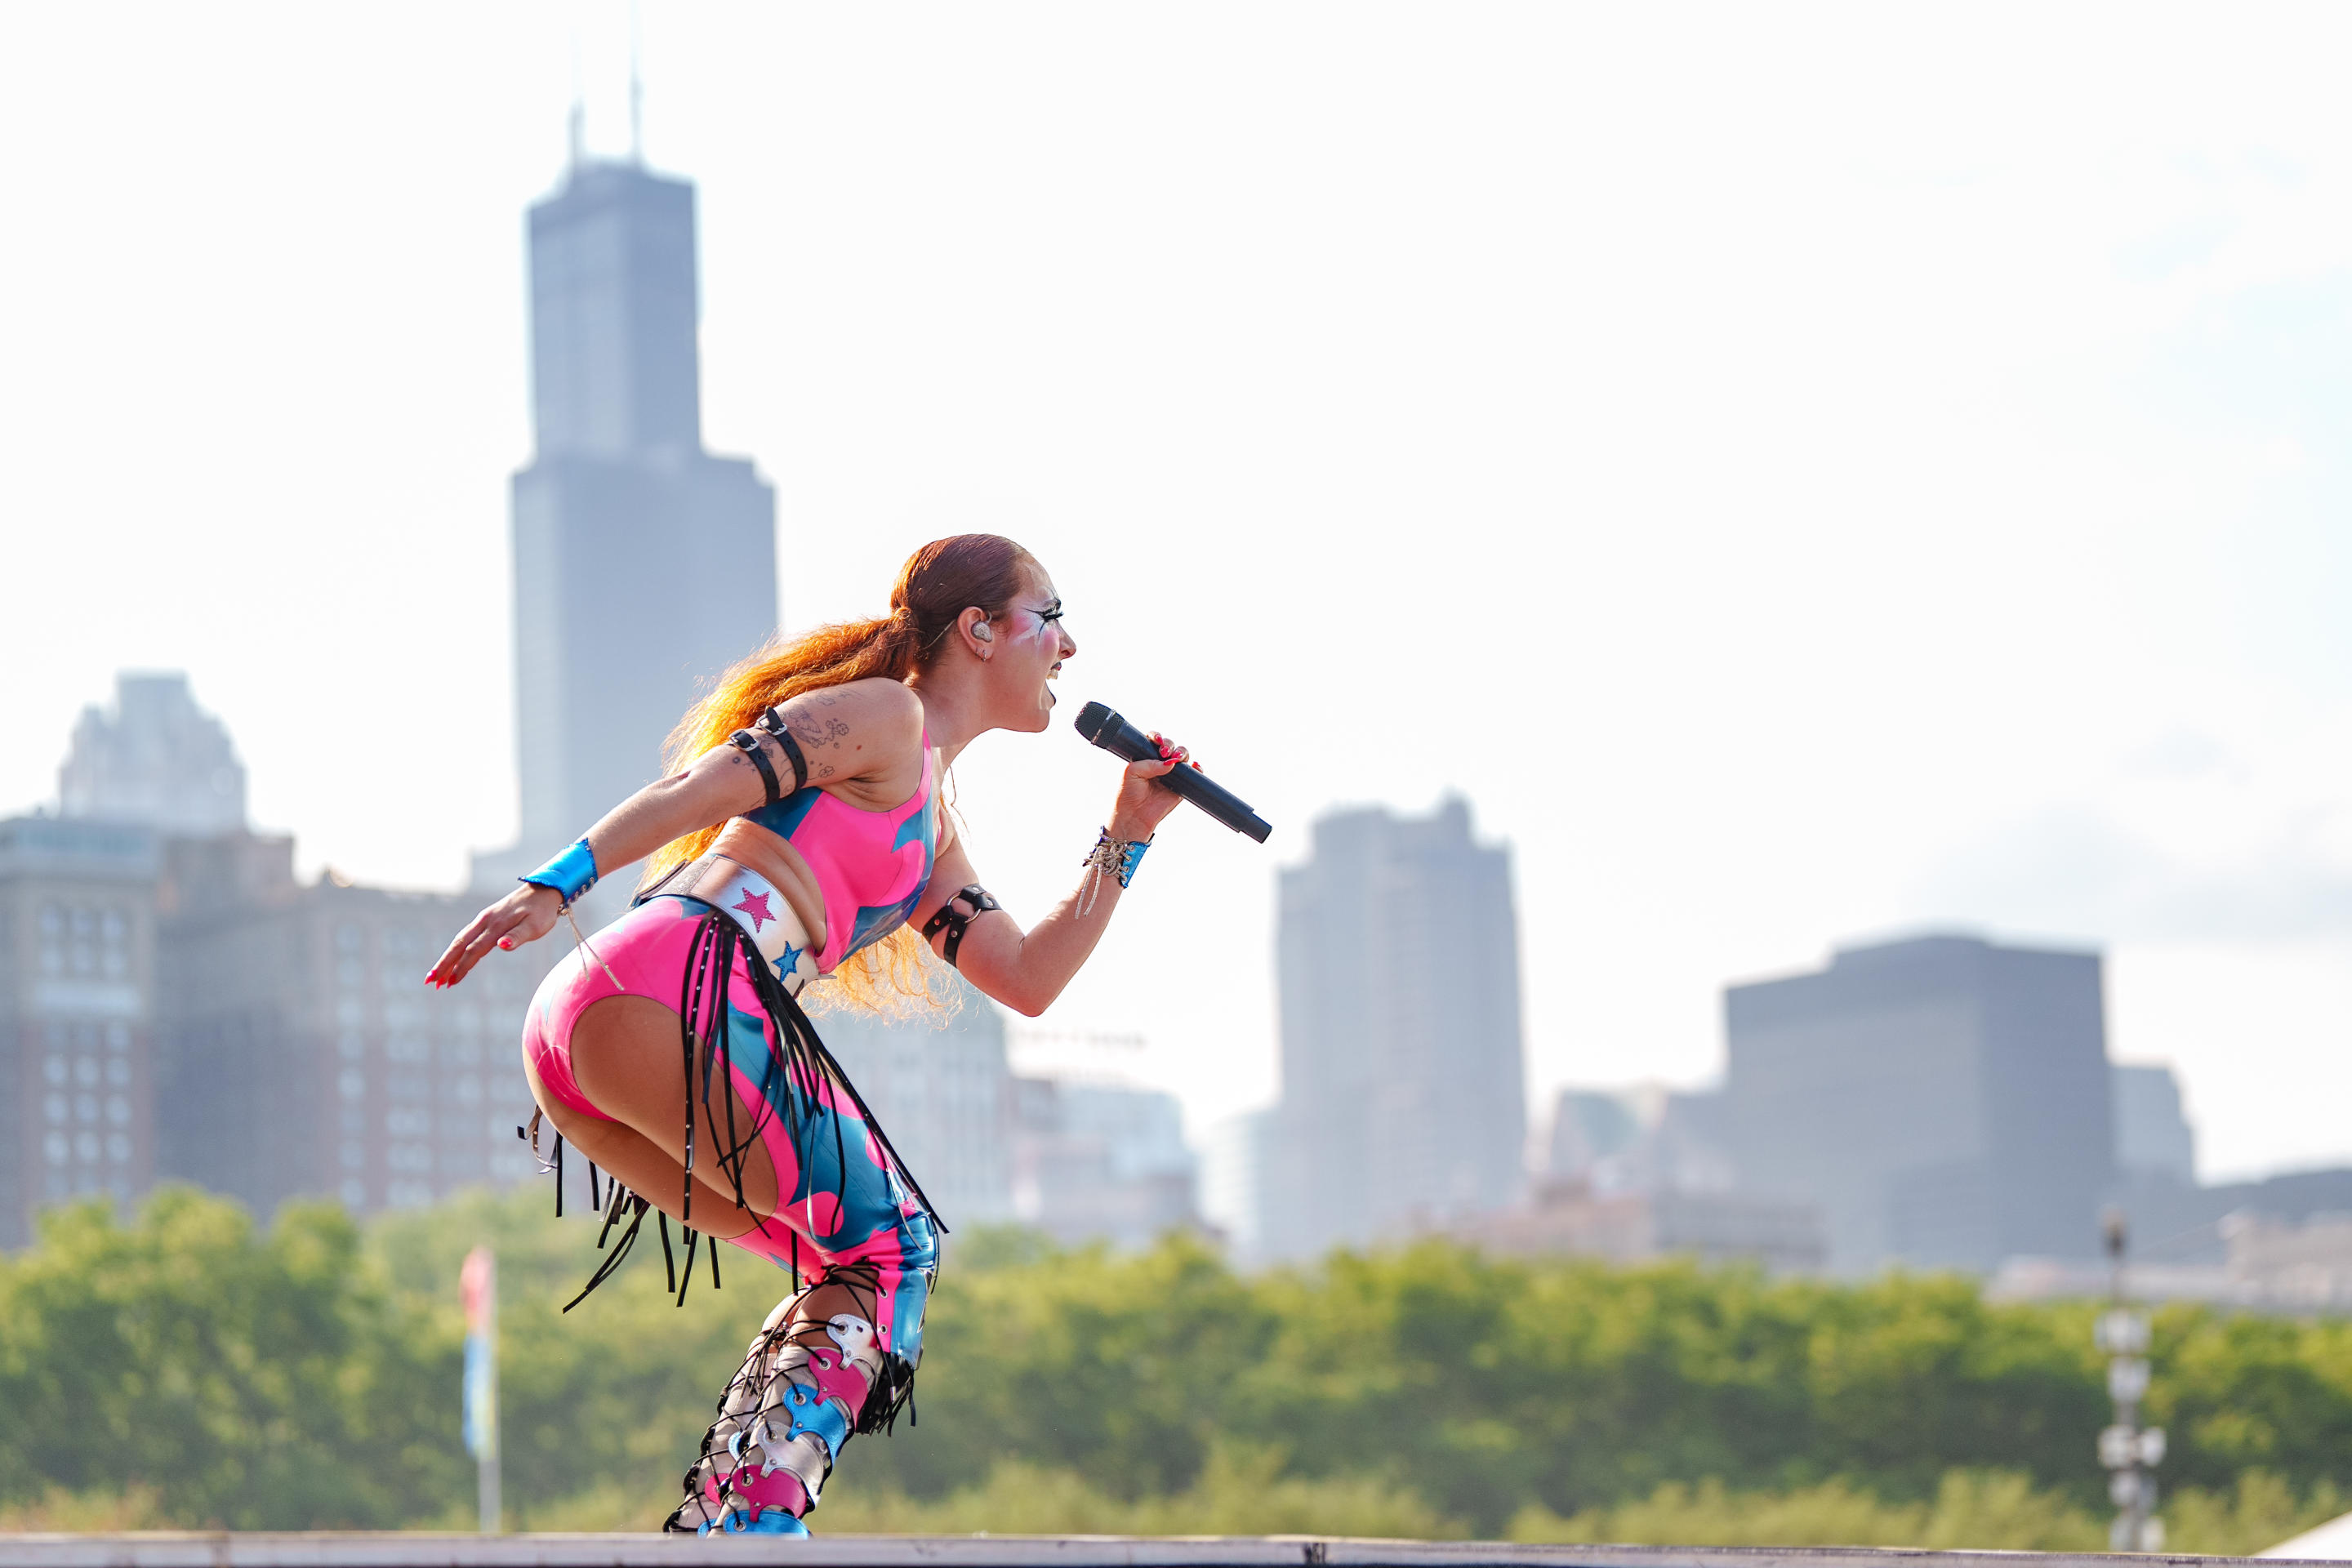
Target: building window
<point x="351" y="1045"/>
<point x="405" y="1123"/>
<point x="355" y="1122"/>
<point x="118" y="1036"/>
<point x="408" y="1194"/>
<point x="86" y="1072"/>
<point x="55" y="1107"/>
<point x="55" y="1070"/>
<point x="355" y="1194"/>
<point x="352" y="1085"/>
<point x="350" y="939"/>
<point x="118" y="1110"/>
<point x="351" y="972"/>
<point x="85" y="1108"/>
<point x="354" y="1156"/>
<point x="85" y="1148"/>
<point x="350" y="1012"/>
<point x="56" y="1146"/>
<point x="118" y="1148"/>
<point x="118" y="1072"/>
<point x="409" y="1157"/>
<point x="408" y="1049"/>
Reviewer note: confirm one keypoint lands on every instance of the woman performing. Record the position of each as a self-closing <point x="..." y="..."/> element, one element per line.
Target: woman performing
<point x="802" y="828"/>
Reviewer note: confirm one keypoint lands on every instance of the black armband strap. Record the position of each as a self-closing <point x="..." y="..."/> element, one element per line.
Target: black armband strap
<point x="748" y="744"/>
<point x="953" y="920"/>
<point x="773" y="723"/>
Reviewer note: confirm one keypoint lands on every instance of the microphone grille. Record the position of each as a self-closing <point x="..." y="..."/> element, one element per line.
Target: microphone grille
<point x="1093" y="720"/>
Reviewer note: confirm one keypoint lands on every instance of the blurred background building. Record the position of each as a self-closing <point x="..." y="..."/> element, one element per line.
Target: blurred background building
<point x="155" y="758"/>
<point x="943" y="1089"/>
<point x="76" y="1013"/>
<point x="622" y="516"/>
<point x="1101" y="1162"/>
<point x="1402" y="1107"/>
<point x="1946" y="1101"/>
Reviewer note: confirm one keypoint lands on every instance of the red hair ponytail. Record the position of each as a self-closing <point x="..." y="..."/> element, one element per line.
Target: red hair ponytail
<point x="937" y="584"/>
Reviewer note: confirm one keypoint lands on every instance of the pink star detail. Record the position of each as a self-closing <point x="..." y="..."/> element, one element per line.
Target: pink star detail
<point x="756" y="906"/>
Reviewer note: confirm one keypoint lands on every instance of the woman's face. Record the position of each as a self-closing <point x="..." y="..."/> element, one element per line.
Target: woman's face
<point x="1030" y="647"/>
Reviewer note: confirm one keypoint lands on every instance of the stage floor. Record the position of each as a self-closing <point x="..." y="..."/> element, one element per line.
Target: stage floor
<point x="647" y="1550"/>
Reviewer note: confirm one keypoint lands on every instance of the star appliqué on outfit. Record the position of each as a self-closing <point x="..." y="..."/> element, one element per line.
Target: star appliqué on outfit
<point x="789" y="961"/>
<point x="756" y="906"/>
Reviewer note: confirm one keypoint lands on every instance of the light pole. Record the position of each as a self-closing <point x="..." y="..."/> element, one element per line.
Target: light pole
<point x="2130" y="1452"/>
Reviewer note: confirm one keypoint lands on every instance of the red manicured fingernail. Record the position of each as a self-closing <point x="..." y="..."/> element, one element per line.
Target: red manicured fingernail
<point x="507" y="944"/>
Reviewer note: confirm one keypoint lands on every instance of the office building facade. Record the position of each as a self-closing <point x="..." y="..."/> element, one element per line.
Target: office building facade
<point x="301" y="1054"/>
<point x="1944" y="1100"/>
<point x="1402" y="1102"/>
<point x="1101" y="1163"/>
<point x="644" y="565"/>
<point x="2152" y="1133"/>
<point x="940" y="1083"/>
<point x="78" y="955"/>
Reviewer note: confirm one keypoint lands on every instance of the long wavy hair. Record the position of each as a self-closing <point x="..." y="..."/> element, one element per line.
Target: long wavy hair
<point x="937" y="584"/>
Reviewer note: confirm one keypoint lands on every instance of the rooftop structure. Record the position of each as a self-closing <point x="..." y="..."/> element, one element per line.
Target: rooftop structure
<point x="155" y="758"/>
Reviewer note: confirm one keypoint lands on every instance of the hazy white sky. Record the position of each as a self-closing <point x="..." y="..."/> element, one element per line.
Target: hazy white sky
<point x="1802" y="476"/>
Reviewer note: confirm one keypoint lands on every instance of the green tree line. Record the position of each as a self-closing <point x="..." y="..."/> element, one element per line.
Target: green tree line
<point x="187" y="1367"/>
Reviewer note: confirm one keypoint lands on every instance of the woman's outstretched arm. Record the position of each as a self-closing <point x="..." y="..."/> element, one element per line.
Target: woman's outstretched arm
<point x="1026" y="970"/>
<point x="842" y="734"/>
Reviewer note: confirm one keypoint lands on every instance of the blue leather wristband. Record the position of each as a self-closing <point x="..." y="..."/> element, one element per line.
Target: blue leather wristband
<point x="1133" y="858"/>
<point x="570" y="874"/>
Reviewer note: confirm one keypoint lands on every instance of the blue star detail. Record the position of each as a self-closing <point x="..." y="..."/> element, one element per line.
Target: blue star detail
<point x="789" y="961"/>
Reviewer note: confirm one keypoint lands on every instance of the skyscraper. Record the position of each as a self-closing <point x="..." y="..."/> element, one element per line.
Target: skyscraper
<point x="1402" y="1103"/>
<point x="644" y="565"/>
<point x="1944" y="1100"/>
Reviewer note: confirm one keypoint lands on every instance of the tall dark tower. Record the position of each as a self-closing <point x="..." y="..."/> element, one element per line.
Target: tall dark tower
<point x="643" y="564"/>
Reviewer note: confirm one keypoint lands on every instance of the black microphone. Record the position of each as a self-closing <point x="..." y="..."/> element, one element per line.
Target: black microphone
<point x="1121" y="738"/>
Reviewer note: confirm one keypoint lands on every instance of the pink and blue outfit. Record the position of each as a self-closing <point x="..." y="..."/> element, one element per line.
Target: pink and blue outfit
<point x="717" y="942"/>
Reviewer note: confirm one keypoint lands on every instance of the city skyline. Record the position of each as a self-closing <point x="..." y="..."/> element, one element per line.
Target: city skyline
<point x="1953" y="550"/>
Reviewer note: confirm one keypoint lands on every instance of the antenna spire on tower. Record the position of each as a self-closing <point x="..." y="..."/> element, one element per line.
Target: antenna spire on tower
<point x="578" y="119"/>
<point x="636" y="94"/>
